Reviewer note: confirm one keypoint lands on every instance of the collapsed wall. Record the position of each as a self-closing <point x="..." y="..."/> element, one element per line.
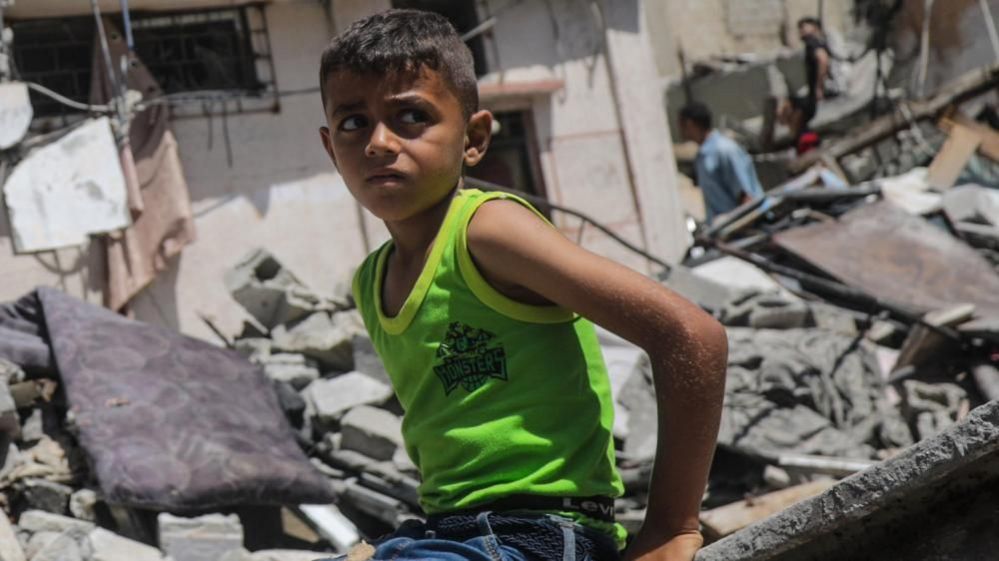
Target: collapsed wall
<point x="936" y="501"/>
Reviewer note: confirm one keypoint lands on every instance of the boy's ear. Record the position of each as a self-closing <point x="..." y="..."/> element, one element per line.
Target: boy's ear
<point x="324" y="135"/>
<point x="477" y="135"/>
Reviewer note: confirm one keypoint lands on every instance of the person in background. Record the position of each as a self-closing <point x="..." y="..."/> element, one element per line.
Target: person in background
<point x="818" y="60"/>
<point x="725" y="172"/>
<point x="800" y="113"/>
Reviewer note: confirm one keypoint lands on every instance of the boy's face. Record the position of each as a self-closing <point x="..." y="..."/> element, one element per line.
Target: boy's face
<point x="400" y="142"/>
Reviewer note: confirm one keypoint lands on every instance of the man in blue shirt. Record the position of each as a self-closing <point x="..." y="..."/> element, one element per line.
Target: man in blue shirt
<point x="725" y="172"/>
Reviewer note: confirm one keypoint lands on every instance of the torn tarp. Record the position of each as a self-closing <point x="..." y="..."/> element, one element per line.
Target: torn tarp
<point x="65" y="191"/>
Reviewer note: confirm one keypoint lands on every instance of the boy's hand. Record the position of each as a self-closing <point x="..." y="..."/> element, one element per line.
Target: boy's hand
<point x="678" y="548"/>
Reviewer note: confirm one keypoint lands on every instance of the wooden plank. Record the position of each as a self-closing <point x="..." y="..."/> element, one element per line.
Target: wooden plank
<point x="724" y="520"/>
<point x="961" y="145"/>
<point x="923" y="343"/>
<point x="990" y="138"/>
<point x="966" y="87"/>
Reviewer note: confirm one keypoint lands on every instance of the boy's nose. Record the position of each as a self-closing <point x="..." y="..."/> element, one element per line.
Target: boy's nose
<point x="382" y="142"/>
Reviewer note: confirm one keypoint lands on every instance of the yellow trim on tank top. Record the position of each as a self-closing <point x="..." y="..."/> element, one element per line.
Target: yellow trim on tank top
<point x="482" y="289"/>
<point x="398" y="323"/>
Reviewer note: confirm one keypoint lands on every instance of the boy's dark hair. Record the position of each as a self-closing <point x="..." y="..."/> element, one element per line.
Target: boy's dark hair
<point x="401" y="41"/>
<point x="809" y="20"/>
<point x="697" y="113"/>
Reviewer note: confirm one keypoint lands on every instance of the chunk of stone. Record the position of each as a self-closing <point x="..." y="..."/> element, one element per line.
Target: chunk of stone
<point x="46" y="495"/>
<point x="33" y="429"/>
<point x="373" y="503"/>
<point x="324" y="337"/>
<point x="403" y="462"/>
<point x="292" y="368"/>
<point x="376" y="433"/>
<point x="291" y="402"/>
<point x="10" y="423"/>
<point x="284" y="555"/>
<point x="254" y="349"/>
<point x="63" y="547"/>
<point x="331" y="398"/>
<point x="10" y="373"/>
<point x="108" y="546"/>
<point x="10" y="547"/>
<point x="270" y="292"/>
<point x="331" y="524"/>
<point x="82" y="504"/>
<point x="38" y="541"/>
<point x="203" y="538"/>
<point x="36" y="521"/>
<point x="366" y="359"/>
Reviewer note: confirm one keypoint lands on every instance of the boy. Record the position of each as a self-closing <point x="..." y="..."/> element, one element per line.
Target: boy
<point x="473" y="308"/>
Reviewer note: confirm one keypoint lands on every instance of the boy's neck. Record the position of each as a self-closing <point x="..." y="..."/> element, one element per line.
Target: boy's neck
<point x="413" y="236"/>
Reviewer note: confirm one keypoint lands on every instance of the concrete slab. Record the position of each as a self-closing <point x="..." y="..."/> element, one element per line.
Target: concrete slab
<point x="937" y="500"/>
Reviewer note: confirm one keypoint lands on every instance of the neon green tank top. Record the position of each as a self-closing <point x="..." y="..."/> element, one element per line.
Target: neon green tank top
<point x="501" y="398"/>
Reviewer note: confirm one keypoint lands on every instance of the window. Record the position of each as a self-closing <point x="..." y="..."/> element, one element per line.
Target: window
<point x="463" y="17"/>
<point x="511" y="158"/>
<point x="219" y="49"/>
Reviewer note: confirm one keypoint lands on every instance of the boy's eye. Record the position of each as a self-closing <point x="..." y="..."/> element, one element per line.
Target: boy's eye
<point x="413" y="117"/>
<point x="352" y="123"/>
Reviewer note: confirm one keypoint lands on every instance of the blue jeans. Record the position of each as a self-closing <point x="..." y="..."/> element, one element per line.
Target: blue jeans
<point x="412" y="542"/>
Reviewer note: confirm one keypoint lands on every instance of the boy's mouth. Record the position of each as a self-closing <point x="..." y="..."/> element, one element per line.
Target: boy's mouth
<point x="385" y="176"/>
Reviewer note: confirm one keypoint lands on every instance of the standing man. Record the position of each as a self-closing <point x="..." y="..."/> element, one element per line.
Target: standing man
<point x="725" y="172"/>
<point x="818" y="59"/>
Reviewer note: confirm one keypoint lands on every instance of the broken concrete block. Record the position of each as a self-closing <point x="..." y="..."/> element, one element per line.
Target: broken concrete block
<point x="292" y="368"/>
<point x="376" y="433"/>
<point x="82" y="504"/>
<point x="10" y="423"/>
<point x="403" y="462"/>
<point x="331" y="398"/>
<point x="382" y="507"/>
<point x="698" y="288"/>
<point x="10" y="373"/>
<point x="324" y="337"/>
<point x="37" y="541"/>
<point x="33" y="429"/>
<point x="254" y="349"/>
<point x="935" y="500"/>
<point x="10" y="548"/>
<point x="331" y="524"/>
<point x="36" y="521"/>
<point x="46" y="495"/>
<point x="108" y="546"/>
<point x="291" y="402"/>
<point x="366" y="359"/>
<point x="203" y="538"/>
<point x="63" y="547"/>
<point x="284" y="555"/>
<point x="270" y="292"/>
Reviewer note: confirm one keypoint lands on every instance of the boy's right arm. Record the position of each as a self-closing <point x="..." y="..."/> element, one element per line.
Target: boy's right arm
<point x="688" y="349"/>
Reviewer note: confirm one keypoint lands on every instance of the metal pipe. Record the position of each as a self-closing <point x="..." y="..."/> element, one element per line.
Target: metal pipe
<point x="126" y="16"/>
<point x="990" y="24"/>
<point x="924" y="49"/>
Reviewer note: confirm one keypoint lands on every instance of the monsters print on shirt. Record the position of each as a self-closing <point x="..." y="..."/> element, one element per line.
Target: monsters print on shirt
<point x="467" y="359"/>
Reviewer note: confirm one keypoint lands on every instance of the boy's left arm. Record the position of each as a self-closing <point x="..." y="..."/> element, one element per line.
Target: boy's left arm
<point x="688" y="349"/>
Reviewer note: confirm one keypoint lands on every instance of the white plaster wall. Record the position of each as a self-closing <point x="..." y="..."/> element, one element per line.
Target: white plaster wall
<point x="581" y="136"/>
<point x="701" y="28"/>
<point x="281" y="193"/>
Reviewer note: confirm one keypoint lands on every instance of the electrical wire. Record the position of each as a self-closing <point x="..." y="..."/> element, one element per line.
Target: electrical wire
<point x="67" y="101"/>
